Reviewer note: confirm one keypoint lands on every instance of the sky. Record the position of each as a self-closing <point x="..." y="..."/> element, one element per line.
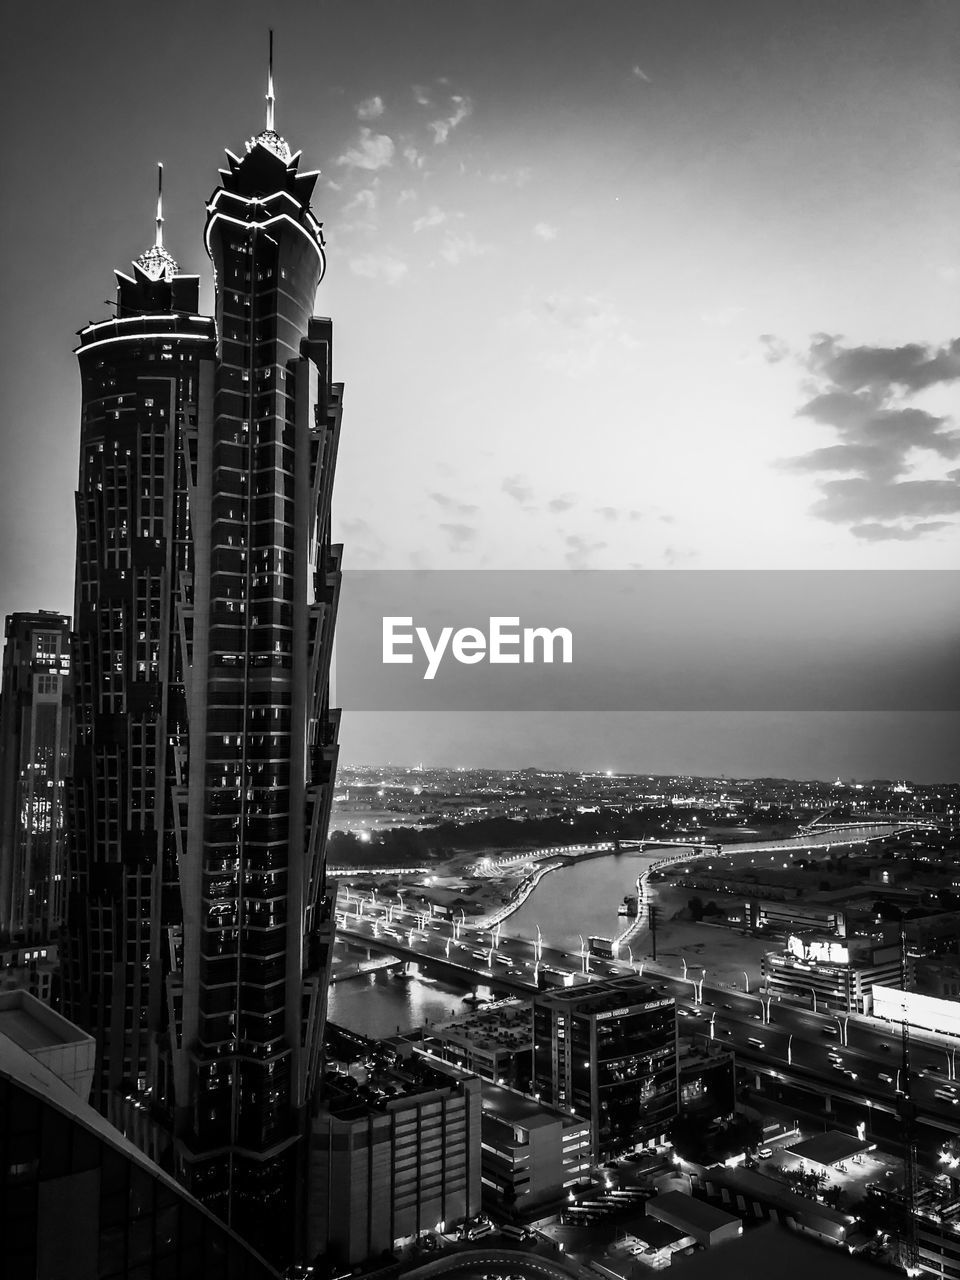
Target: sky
<point x="670" y="285"/>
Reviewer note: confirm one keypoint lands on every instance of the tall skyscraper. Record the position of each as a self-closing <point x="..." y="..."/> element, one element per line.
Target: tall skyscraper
<point x="144" y="374"/>
<point x="35" y="727"/>
<point x="207" y="588"/>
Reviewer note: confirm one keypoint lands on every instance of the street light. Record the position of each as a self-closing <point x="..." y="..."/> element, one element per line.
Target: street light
<point x="746" y="981"/>
<point x="790" y="1050"/>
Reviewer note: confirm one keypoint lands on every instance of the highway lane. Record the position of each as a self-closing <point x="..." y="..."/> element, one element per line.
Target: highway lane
<point x="795" y="1039"/>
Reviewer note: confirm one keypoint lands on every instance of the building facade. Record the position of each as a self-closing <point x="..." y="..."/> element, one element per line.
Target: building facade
<point x="608" y="1052"/>
<point x="36" y="709"/>
<point x="207" y="585"/>
<point x="76" y="1198"/>
<point x="494" y="1042"/>
<point x="532" y="1154"/>
<point x="395" y="1153"/>
<point x="833" y="974"/>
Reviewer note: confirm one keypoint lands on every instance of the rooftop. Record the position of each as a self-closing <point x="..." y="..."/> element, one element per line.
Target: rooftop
<point x="703" y="1216"/>
<point x="388" y="1082"/>
<point x="757" y="1186"/>
<point x="625" y="993"/>
<point x="773" y="1250"/>
<point x="33" y="1025"/>
<point x="516" y="1108"/>
<point x="830" y="1148"/>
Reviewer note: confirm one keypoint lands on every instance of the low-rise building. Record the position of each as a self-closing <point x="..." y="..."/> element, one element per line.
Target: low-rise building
<point x="704" y="1222"/>
<point x="395" y="1152"/>
<point x="531" y="1153"/>
<point x="832" y="973"/>
<point x="707" y="1074"/>
<point x="495" y="1042"/>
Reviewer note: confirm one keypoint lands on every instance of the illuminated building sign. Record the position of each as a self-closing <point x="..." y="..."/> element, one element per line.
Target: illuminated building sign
<point x="926" y="1012"/>
<point x="818" y="950"/>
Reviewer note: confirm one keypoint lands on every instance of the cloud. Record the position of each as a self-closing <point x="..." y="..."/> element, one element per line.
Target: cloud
<point x="384" y="266"/>
<point x="774" y="348"/>
<point x="446" y="503"/>
<point x="885" y="532"/>
<point x="849" y="501"/>
<point x="867" y="478"/>
<point x="459" y="535"/>
<point x="544" y="231"/>
<point x="414" y="158"/>
<point x="459" y="245"/>
<point x="370" y="108"/>
<point x="442" y="128"/>
<point x="434" y="217"/>
<point x="372" y="151"/>
<point x="580" y="551"/>
<point x="639" y="74"/>
<point x="608" y="513"/>
<point x="911" y="367"/>
<point x="365" y="198"/>
<point x="563" y="503"/>
<point x="363" y="203"/>
<point x="421" y="97"/>
<point x="518" y="487"/>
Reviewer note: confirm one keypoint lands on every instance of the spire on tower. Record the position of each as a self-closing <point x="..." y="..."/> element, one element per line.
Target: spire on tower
<point x="157" y="262"/>
<point x="270" y="95"/>
<point x="159" y="240"/>
<point x="269" y="138"/>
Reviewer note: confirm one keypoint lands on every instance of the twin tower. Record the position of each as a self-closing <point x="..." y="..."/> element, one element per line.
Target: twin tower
<point x="200" y="920"/>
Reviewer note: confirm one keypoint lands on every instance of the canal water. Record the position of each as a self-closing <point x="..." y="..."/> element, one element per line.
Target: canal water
<point x="378" y="1005"/>
<point x="578" y="899"/>
<point x="581" y="898"/>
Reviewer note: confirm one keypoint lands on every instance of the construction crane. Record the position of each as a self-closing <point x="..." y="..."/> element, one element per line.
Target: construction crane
<point x="908" y="1244"/>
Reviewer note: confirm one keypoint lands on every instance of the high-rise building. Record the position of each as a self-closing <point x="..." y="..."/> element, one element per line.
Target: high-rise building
<point x="35" y="728"/>
<point x="145" y="376"/>
<point x="207" y="588"/>
<point x="608" y="1052"/>
<point x="76" y="1198"/>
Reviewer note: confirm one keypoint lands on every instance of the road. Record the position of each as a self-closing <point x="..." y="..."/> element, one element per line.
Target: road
<point x="796" y="1042"/>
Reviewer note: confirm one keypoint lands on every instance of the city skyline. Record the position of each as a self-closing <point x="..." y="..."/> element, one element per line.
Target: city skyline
<point x="643" y="226"/>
